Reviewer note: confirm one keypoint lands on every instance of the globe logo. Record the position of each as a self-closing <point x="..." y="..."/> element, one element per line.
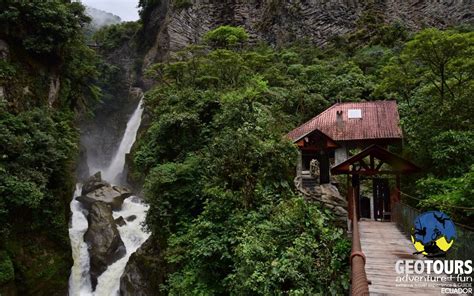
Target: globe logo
<point x="433" y="234"/>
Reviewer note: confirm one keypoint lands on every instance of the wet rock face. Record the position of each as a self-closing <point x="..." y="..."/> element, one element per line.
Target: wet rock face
<point x="103" y="239"/>
<point x="131" y="218"/>
<point x="113" y="196"/>
<point x="94" y="182"/>
<point x="120" y="221"/>
<point x="139" y="278"/>
<point x="95" y="189"/>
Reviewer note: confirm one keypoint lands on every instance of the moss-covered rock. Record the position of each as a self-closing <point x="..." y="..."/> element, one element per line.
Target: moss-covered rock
<point x="145" y="271"/>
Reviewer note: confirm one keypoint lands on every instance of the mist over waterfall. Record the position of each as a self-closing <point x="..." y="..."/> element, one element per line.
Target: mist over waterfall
<point x="130" y="210"/>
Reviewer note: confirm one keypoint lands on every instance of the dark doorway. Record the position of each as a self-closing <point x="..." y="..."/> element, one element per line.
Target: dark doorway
<point x="324" y="167"/>
<point x="307" y="157"/>
<point x="381" y="193"/>
<point x="364" y="205"/>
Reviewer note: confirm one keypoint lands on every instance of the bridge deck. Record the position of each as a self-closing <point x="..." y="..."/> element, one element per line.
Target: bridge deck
<point x="383" y="244"/>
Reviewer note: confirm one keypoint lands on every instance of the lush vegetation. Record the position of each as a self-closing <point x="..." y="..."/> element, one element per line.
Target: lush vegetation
<point x="217" y="172"/>
<point x="48" y="73"/>
<point x="216" y="168"/>
<point x="113" y="36"/>
<point x="432" y="78"/>
<point x="42" y="27"/>
<point x="47" y="35"/>
<point x="453" y="195"/>
<point x="6" y="268"/>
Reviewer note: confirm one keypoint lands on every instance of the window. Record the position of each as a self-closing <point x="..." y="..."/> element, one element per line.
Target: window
<point x="354" y="113"/>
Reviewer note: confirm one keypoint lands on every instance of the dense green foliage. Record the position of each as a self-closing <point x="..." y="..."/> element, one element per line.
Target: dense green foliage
<point x="42" y="27"/>
<point x="47" y="74"/>
<point x="113" y="36"/>
<point x="7" y="272"/>
<point x="453" y="195"/>
<point x="47" y="35"/>
<point x="226" y="37"/>
<point x="37" y="147"/>
<point x="432" y="78"/>
<point x="218" y="171"/>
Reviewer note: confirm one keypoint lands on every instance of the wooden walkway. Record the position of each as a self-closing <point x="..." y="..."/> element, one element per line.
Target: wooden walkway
<point x="383" y="244"/>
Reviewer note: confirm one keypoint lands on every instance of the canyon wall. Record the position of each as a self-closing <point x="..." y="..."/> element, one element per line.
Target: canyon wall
<point x="171" y="25"/>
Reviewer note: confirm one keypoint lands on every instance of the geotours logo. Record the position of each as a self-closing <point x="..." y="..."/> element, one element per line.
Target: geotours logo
<point x="433" y="234"/>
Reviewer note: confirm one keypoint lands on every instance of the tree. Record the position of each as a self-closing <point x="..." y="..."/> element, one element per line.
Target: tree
<point x="43" y="27"/>
<point x="226" y="37"/>
<point x="444" y="58"/>
<point x="433" y="78"/>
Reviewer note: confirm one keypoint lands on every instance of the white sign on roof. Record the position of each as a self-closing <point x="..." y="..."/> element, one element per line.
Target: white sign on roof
<point x="354" y="113"/>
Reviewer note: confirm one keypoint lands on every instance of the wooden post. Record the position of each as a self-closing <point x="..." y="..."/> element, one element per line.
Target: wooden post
<point x="349" y="197"/>
<point x="398" y="187"/>
<point x="356" y="192"/>
<point x="299" y="164"/>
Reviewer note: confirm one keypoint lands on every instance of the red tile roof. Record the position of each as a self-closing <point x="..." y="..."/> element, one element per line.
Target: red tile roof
<point x="380" y="120"/>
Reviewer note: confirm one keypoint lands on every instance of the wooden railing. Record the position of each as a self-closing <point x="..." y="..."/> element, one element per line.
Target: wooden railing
<point x="404" y="215"/>
<point x="359" y="282"/>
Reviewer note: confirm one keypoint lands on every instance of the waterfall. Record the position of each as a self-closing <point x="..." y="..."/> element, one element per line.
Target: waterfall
<point x="133" y="237"/>
<point x="79" y="281"/>
<point x="132" y="233"/>
<point x="113" y="172"/>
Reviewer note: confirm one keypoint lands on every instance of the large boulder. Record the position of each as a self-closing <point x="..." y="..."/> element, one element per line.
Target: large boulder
<point x="103" y="239"/>
<point x="328" y="195"/>
<point x="93" y="183"/>
<point x="131" y="218"/>
<point x="120" y="221"/>
<point x="111" y="195"/>
<point x="145" y="272"/>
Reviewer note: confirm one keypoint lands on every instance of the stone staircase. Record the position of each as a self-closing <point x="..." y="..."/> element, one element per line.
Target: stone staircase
<point x="309" y="184"/>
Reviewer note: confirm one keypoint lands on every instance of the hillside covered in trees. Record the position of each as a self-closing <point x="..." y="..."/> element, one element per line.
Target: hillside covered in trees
<point x="211" y="158"/>
<point x="218" y="173"/>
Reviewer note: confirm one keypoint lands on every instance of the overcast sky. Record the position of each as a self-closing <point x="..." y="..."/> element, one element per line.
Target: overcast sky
<point x="126" y="9"/>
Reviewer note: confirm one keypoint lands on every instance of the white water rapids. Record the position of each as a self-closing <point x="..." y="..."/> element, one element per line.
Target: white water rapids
<point x="132" y="233"/>
<point x="79" y="281"/>
<point x="132" y="236"/>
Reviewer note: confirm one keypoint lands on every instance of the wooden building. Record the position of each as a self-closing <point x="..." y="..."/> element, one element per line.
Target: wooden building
<point x="365" y="128"/>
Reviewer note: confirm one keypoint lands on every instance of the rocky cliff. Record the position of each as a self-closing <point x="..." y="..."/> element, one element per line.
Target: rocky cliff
<point x="171" y="25"/>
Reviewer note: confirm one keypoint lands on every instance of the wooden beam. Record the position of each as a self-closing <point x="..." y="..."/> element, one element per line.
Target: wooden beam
<point x="379" y="165"/>
<point x="363" y="164"/>
<point x="398" y="187"/>
<point x="371" y="172"/>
